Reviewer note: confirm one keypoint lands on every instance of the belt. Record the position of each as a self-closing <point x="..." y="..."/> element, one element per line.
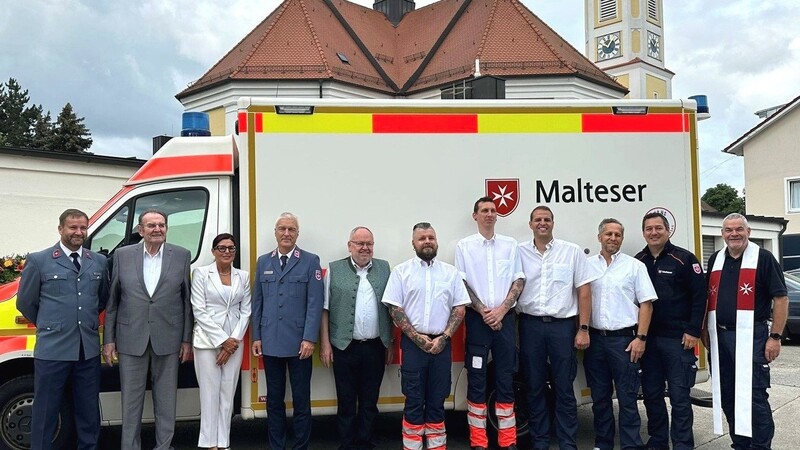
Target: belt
<point x="630" y="331"/>
<point x="432" y="336"/>
<point x="365" y="341"/>
<point x="546" y="319"/>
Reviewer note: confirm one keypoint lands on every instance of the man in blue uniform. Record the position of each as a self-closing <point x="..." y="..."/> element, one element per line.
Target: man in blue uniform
<point x="674" y="334"/>
<point x="62" y="291"/>
<point x="287" y="308"/>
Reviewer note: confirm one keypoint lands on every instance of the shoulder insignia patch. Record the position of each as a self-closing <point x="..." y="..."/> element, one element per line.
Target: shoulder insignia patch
<point x="697" y="269"/>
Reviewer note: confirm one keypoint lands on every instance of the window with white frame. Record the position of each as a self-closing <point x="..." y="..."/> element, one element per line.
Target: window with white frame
<point x="793" y="195"/>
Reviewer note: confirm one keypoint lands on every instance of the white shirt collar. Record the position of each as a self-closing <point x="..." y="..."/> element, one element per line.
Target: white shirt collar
<point x="68" y="252"/>
<point x="158" y="253"/>
<point x="357" y="267"/>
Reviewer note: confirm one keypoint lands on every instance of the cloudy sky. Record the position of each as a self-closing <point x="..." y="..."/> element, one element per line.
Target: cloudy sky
<point x="120" y="63"/>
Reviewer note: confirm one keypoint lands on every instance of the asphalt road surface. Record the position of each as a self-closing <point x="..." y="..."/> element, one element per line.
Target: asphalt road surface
<point x="252" y="434"/>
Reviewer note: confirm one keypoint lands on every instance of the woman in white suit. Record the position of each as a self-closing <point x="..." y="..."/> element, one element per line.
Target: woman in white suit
<point x="221" y="305"/>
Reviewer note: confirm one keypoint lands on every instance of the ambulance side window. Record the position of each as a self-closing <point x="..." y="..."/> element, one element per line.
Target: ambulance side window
<point x="186" y="212"/>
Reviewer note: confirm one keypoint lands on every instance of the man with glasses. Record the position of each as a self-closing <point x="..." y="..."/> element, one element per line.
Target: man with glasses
<point x="149" y="326"/>
<point x="287" y="308"/>
<point x="356" y="337"/>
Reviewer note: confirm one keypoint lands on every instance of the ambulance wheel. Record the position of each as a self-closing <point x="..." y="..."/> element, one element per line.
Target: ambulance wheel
<point x="520" y="412"/>
<point x="16" y="406"/>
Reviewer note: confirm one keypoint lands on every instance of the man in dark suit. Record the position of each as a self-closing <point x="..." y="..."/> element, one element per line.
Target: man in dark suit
<point x="287" y="308"/>
<point x="62" y="291"/>
<point x="149" y="325"/>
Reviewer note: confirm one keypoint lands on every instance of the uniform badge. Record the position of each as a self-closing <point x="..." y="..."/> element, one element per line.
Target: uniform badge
<point x="318" y="275"/>
<point x="267" y="272"/>
<point x="297" y="253"/>
<point x="56" y="253"/>
<point x="273" y="253"/>
<point x="697" y="269"/>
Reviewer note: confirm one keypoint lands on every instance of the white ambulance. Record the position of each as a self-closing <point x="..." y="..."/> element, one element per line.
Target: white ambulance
<point x="337" y="164"/>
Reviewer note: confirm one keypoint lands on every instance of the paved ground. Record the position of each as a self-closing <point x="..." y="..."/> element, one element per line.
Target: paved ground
<point x="245" y="435"/>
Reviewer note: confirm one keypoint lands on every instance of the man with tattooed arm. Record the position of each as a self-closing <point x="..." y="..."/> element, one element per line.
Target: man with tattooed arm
<point x="426" y="299"/>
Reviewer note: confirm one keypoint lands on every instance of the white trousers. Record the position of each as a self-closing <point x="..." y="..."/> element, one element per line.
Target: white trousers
<point x="217" y="388"/>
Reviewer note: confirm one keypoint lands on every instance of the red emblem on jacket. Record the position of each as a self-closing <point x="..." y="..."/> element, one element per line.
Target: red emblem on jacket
<point x="505" y="194"/>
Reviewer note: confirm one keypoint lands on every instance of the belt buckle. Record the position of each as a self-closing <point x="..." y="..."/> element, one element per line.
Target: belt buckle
<point x="547" y="319"/>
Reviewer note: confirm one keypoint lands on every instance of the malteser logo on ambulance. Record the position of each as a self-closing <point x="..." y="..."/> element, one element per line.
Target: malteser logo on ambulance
<point x="505" y="194"/>
<point x="666" y="213"/>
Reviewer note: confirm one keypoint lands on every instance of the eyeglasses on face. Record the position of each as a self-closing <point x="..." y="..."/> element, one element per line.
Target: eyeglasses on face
<point x="362" y="244"/>
<point x="224" y="249"/>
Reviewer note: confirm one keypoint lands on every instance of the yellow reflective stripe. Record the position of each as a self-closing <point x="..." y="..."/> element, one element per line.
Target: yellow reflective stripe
<point x="530" y="123"/>
<point x="317" y="123"/>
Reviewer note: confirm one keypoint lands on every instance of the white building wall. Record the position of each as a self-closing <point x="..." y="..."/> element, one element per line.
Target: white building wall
<point x="37" y="190"/>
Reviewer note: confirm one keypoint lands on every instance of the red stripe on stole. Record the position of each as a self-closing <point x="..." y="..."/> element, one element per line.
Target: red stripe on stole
<point x="713" y="288"/>
<point x="746" y="297"/>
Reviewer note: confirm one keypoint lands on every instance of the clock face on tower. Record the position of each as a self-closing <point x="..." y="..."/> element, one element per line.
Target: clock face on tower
<point x="653" y="45"/>
<point x="608" y="46"/>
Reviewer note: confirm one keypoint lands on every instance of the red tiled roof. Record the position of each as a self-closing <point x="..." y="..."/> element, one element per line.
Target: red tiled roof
<point x="432" y="46"/>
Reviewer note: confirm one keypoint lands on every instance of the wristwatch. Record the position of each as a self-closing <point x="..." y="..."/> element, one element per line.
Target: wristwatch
<point x="445" y="336"/>
<point x="776" y="336"/>
<point x="642" y="337"/>
<point x="584" y="328"/>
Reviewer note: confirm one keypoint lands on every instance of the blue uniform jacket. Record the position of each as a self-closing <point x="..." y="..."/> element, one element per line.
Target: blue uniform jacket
<point x="287" y="304"/>
<point x="63" y="304"/>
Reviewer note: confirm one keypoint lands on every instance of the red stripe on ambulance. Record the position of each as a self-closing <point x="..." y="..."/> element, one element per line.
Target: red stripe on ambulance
<point x="182" y="165"/>
<point x="650" y="123"/>
<point x="424" y="123"/>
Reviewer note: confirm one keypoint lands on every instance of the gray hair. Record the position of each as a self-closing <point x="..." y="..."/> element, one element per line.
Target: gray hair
<point x="736" y="216"/>
<point x="605" y="222"/>
<point x="353" y="231"/>
<point x="288" y="215"/>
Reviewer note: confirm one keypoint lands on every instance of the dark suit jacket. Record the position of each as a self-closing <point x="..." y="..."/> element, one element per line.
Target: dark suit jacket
<point x="287" y="304"/>
<point x="63" y="303"/>
<point x="134" y="318"/>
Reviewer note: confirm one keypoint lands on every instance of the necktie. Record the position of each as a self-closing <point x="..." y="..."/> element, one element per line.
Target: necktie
<point x="284" y="258"/>
<point x="74" y="256"/>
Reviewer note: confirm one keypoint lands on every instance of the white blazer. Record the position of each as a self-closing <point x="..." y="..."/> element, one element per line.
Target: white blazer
<point x="218" y="316"/>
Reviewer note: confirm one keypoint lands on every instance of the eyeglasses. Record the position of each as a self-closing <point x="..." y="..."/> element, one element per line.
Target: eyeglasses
<point x="224" y="249"/>
<point x="363" y="244"/>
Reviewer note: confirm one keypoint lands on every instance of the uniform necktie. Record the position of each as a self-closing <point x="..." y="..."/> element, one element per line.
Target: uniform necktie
<point x="284" y="258"/>
<point x="74" y="256"/>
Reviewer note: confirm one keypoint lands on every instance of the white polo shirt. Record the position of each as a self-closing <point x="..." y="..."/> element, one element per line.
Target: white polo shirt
<point x="618" y="292"/>
<point x="489" y="266"/>
<point x="427" y="293"/>
<point x="552" y="278"/>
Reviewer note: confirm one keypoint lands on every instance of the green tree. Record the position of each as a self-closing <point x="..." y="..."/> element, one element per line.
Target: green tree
<point x="16" y="117"/>
<point x="70" y="134"/>
<point x="42" y="129"/>
<point x="724" y="198"/>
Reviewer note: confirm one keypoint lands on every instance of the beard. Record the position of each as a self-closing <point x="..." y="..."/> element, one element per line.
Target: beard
<point x="426" y="253"/>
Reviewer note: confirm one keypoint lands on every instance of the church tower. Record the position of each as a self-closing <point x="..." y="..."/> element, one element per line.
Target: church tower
<point x="625" y="38"/>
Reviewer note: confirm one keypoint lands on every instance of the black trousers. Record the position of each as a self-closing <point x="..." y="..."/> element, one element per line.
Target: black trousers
<point x="358" y="372"/>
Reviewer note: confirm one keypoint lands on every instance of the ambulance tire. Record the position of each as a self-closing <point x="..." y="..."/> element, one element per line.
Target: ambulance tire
<point x="16" y="402"/>
<point x="520" y="412"/>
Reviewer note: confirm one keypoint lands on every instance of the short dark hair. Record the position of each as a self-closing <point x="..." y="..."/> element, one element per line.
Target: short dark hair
<point x="152" y="211"/>
<point x="483" y="199"/>
<point x="422" y="226"/>
<point x="653" y="215"/>
<point x="72" y="212"/>
<point x="221" y="237"/>
<point x="543" y="208"/>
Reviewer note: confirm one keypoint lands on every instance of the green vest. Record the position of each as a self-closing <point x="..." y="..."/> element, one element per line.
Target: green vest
<point x="342" y="304"/>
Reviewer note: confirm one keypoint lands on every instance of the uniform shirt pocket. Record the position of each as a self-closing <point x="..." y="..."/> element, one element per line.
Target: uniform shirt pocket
<point x="503" y="267"/>
<point x="441" y="292"/>
<point x="48" y="327"/>
<point x="55" y="282"/>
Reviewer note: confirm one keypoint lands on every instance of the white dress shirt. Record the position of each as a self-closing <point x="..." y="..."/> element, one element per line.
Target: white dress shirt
<point x="552" y="278"/>
<point x="366" y="320"/>
<point x="489" y="266"/>
<point x="151" y="266"/>
<point x="616" y="295"/>
<point x="427" y="293"/>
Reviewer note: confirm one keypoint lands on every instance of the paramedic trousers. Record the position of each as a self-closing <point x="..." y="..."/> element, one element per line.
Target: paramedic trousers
<point x="481" y="340"/>
<point x="552" y="339"/>
<point x="666" y="361"/>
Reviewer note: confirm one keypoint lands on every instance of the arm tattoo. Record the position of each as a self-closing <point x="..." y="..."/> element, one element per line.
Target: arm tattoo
<point x="401" y="320"/>
<point x="477" y="305"/>
<point x="456" y="317"/>
<point x="513" y="293"/>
